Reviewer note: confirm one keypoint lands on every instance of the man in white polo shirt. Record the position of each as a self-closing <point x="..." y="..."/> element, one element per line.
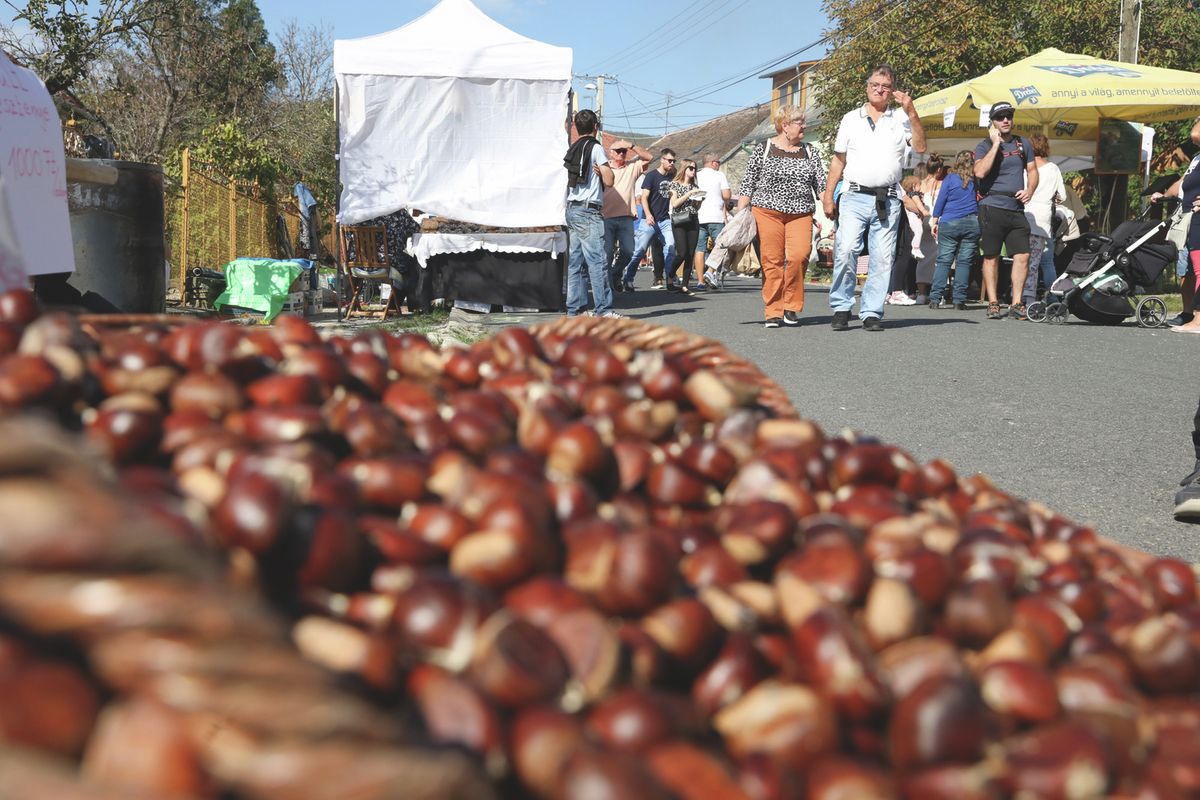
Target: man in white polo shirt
<point x="869" y="156"/>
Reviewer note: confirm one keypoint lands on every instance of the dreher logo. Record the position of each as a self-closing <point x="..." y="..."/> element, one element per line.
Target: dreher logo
<point x="1083" y="70"/>
<point x="1023" y="93"/>
<point x="1063" y="128"/>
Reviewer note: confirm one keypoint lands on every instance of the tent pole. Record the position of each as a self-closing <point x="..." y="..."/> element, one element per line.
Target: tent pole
<point x="337" y="191"/>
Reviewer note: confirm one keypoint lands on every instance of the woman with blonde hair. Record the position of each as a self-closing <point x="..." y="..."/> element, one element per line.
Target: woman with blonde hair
<point x="955" y="223"/>
<point x="684" y="196"/>
<point x="782" y="179"/>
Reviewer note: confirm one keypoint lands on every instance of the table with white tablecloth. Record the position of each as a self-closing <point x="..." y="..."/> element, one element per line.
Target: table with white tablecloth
<point x="503" y="269"/>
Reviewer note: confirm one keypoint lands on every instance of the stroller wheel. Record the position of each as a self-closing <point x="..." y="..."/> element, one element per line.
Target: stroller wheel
<point x="1057" y="313"/>
<point x="1036" y="312"/>
<point x="1151" y="312"/>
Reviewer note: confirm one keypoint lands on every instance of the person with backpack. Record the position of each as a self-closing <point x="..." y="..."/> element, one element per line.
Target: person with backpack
<point x="1006" y="178"/>
<point x="588" y="175"/>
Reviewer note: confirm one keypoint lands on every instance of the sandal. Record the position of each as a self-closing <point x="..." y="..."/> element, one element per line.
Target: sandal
<point x="1017" y="311"/>
<point x="993" y="311"/>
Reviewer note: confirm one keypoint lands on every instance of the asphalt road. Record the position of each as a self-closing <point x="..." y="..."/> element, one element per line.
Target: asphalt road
<point x="1094" y="422"/>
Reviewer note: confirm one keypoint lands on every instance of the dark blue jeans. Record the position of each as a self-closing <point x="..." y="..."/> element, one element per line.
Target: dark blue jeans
<point x="958" y="242"/>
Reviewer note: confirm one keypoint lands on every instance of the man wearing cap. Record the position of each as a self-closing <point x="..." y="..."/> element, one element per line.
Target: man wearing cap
<point x="620" y="205"/>
<point x="1006" y="176"/>
<point x="868" y="154"/>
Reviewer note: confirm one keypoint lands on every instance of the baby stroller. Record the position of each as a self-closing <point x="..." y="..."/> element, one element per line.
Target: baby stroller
<point x="1101" y="278"/>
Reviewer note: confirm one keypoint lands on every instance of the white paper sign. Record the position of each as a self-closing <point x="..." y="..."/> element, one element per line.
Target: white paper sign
<point x="985" y="116"/>
<point x="33" y="166"/>
<point x="948" y="114"/>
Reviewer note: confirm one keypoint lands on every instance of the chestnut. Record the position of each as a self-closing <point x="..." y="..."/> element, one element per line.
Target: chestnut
<point x="686" y="630"/>
<point x="692" y="773"/>
<point x="595" y="774"/>
<point x="595" y="654"/>
<point x="516" y="663"/>
<point x="1062" y="760"/>
<point x="1020" y="691"/>
<point x="541" y="741"/>
<point x="737" y="668"/>
<point x="456" y="713"/>
<point x="943" y="720"/>
<point x="631" y="720"/>
<point x="832" y="654"/>
<point x="389" y="482"/>
<point x="789" y="723"/>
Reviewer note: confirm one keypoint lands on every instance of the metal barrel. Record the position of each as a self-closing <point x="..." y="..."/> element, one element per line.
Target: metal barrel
<point x="120" y="263"/>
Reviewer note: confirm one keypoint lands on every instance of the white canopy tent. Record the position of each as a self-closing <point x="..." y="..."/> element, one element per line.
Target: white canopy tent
<point x="456" y="115"/>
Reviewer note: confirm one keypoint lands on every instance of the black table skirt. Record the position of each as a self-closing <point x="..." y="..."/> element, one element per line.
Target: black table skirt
<point x="527" y="280"/>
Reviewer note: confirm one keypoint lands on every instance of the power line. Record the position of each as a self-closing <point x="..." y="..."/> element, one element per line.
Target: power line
<point x="641" y="59"/>
<point x="895" y="5"/>
<point x="655" y="31"/>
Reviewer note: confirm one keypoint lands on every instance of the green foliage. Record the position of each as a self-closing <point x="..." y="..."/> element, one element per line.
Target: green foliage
<point x="227" y="147"/>
<point x="68" y="39"/>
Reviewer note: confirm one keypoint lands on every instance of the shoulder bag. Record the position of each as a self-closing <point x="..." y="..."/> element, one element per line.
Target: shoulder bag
<point x="684" y="214"/>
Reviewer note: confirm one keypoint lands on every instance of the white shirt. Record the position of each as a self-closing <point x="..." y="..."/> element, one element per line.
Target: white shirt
<point x="1041" y="205"/>
<point x="874" y="151"/>
<point x="715" y="184"/>
<point x="593" y="190"/>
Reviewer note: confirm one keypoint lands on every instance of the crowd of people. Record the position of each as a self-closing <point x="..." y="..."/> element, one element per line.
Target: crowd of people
<point x="921" y="233"/>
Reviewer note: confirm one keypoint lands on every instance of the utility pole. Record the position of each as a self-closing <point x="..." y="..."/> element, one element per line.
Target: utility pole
<point x="1131" y="25"/>
<point x="599" y="87"/>
<point x="600" y="99"/>
<point x="1114" y="189"/>
<point x="667" y="118"/>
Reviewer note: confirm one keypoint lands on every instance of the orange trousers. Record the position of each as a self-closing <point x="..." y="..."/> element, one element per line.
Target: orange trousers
<point x="783" y="237"/>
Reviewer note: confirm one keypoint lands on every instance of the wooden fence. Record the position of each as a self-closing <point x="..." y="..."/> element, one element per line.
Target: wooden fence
<point x="212" y="219"/>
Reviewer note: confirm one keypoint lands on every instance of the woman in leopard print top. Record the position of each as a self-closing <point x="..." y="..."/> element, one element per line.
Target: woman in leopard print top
<point x="782" y="181"/>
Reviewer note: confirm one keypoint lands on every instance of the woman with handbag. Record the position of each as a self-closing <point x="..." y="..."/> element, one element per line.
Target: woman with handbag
<point x="685" y="198"/>
<point x="783" y="177"/>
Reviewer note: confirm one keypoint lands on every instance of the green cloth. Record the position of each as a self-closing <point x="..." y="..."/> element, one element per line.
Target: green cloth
<point x="261" y="284"/>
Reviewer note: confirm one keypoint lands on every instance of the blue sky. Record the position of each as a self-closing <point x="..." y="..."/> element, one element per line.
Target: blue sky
<point x="651" y="52"/>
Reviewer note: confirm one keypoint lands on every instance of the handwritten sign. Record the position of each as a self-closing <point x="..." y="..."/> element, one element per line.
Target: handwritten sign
<point x="34" y="223"/>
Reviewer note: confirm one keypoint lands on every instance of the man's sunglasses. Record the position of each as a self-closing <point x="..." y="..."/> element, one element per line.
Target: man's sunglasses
<point x="1003" y="116"/>
<point x="621" y="150"/>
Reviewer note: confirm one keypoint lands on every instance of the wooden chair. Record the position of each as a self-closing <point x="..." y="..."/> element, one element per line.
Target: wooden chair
<point x="364" y="259"/>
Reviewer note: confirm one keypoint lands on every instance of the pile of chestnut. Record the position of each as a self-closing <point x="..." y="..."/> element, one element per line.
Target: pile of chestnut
<point x="603" y="562"/>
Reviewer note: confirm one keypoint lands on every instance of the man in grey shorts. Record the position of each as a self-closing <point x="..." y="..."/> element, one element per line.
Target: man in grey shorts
<point x="1006" y="176"/>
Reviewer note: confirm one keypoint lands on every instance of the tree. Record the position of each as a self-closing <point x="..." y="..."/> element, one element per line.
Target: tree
<point x="304" y="129"/>
<point x="66" y="40"/>
<point x="208" y="62"/>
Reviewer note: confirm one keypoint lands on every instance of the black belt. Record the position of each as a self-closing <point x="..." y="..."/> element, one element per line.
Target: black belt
<point x="881" y="193"/>
<point x="592" y="205"/>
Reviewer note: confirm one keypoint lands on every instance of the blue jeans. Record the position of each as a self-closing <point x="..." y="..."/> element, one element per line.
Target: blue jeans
<point x="645" y="235"/>
<point x="858" y="219"/>
<point x="958" y="243"/>
<point x="618" y="230"/>
<point x="586" y="229"/>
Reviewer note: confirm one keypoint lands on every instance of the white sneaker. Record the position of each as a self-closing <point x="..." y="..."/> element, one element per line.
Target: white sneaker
<point x="611" y="315"/>
<point x="899" y="298"/>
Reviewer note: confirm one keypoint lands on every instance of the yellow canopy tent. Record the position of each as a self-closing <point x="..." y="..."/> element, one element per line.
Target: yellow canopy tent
<point x="1063" y="95"/>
